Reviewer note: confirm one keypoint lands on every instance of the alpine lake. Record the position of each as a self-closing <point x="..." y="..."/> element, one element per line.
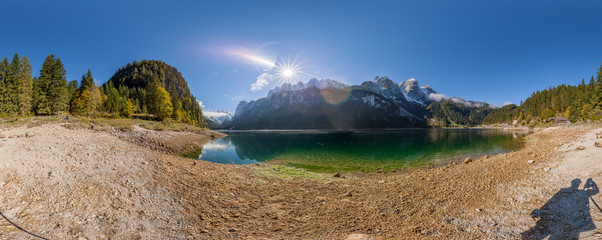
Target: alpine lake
<point x="357" y="150"/>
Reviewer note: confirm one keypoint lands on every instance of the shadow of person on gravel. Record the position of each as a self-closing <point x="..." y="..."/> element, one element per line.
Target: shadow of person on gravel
<point x="566" y="214"/>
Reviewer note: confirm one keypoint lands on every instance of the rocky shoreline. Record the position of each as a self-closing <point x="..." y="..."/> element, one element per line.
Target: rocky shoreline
<point x="65" y="183"/>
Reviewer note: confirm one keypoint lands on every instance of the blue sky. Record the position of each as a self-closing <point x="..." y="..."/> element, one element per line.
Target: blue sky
<point x="492" y="51"/>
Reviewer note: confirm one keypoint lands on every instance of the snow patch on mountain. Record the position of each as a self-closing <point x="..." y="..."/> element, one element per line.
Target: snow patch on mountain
<point x="314" y="82"/>
<point x="218" y="116"/>
<point x="427" y="90"/>
<point x="441" y="97"/>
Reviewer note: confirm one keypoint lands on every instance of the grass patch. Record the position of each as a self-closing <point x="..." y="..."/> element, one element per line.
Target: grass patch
<point x="35" y="121"/>
<point x="126" y="124"/>
<point x="98" y="124"/>
<point x="259" y="181"/>
<point x="194" y="154"/>
<point x="356" y="168"/>
<point x="283" y="172"/>
<point x="334" y="163"/>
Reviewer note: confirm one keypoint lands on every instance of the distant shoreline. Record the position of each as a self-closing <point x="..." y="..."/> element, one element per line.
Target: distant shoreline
<point x="354" y="130"/>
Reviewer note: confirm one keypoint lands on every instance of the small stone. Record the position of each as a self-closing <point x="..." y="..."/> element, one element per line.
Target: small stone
<point x="337" y="175"/>
<point x="547" y="169"/>
<point x="530" y="161"/>
<point x="144" y="163"/>
<point x="1" y="144"/>
<point x="486" y="156"/>
<point x="232" y="230"/>
<point x="381" y="181"/>
<point x="580" y="148"/>
<point x="479" y="210"/>
<point x="11" y="136"/>
<point x="203" y="231"/>
<point x="598" y="144"/>
<point x="467" y="160"/>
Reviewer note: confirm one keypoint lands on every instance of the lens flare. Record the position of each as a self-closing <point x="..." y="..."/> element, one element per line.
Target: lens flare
<point x="252" y="57"/>
<point x="335" y="96"/>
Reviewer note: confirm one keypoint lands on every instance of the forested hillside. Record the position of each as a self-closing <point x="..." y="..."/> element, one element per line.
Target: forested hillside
<point x="447" y="113"/>
<point x="578" y="103"/>
<point x="145" y="84"/>
<point x="148" y="88"/>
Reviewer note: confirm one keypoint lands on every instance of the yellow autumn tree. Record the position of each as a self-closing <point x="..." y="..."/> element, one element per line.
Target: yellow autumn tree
<point x="158" y="101"/>
<point x="87" y="103"/>
<point x="128" y="109"/>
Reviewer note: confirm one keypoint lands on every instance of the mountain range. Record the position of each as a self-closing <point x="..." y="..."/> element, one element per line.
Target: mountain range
<point x="380" y="103"/>
<point x="217" y="117"/>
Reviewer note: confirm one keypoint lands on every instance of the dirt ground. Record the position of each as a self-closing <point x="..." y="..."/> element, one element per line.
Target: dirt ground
<point x="62" y="183"/>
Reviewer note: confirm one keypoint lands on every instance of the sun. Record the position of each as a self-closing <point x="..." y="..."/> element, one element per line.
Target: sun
<point x="287" y="71"/>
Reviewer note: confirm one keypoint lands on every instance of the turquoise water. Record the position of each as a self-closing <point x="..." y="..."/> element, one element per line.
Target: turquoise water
<point x="329" y="151"/>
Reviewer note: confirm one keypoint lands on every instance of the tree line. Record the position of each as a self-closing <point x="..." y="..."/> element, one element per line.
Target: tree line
<point x="577" y="103"/>
<point x="22" y="94"/>
<point x="447" y="113"/>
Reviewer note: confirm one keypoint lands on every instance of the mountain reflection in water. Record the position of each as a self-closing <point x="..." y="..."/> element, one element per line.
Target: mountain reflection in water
<point x="407" y="146"/>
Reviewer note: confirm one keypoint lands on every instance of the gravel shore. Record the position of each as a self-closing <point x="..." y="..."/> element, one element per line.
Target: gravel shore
<point x="62" y="183"/>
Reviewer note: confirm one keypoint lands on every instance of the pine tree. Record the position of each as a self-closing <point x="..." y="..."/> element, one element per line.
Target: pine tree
<point x="597" y="96"/>
<point x="87" y="82"/>
<point x="52" y="86"/>
<point x="3" y="73"/>
<point x="58" y="91"/>
<point x="42" y="102"/>
<point x="72" y="90"/>
<point x="111" y="100"/>
<point x="25" y="87"/>
<point x="36" y="94"/>
<point x="12" y="84"/>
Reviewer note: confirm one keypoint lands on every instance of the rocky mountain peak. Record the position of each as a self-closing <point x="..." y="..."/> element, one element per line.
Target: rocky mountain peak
<point x="413" y="92"/>
<point x="427" y="90"/>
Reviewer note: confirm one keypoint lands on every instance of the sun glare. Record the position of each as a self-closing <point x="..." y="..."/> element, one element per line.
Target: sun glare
<point x="287" y="72"/>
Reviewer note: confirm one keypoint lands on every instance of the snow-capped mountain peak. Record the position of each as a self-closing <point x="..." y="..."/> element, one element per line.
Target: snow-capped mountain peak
<point x="218" y="116"/>
<point x="413" y="92"/>
<point x="409" y="84"/>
